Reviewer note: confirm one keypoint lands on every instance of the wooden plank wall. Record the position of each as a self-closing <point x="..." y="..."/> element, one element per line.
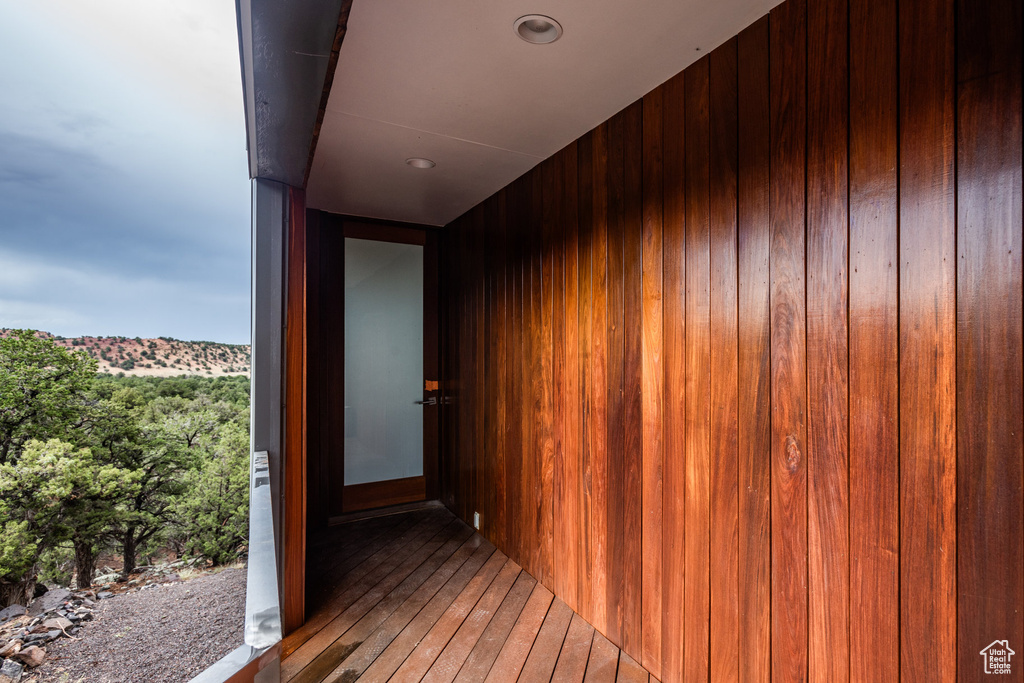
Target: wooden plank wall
<point x="738" y="374"/>
<point x="295" y="445"/>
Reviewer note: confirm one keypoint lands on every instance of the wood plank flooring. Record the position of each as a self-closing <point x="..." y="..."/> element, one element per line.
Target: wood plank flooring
<point x="419" y="596"/>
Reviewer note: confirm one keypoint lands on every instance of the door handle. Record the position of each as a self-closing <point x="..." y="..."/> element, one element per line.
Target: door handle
<point x="432" y="401"/>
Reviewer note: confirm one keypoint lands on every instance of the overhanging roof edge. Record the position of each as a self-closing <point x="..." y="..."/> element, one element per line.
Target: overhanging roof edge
<point x="285" y="50"/>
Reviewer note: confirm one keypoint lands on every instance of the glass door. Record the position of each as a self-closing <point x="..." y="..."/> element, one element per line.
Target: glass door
<point x="385" y="356"/>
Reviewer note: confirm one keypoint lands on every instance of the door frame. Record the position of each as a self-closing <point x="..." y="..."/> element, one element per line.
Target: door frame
<point x="357" y="497"/>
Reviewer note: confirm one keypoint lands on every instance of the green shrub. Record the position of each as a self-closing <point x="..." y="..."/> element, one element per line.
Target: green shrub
<point x="214" y="512"/>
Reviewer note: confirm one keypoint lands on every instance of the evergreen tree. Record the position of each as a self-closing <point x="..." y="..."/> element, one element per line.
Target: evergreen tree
<point x="214" y="515"/>
<point x="55" y="494"/>
<point x="42" y="388"/>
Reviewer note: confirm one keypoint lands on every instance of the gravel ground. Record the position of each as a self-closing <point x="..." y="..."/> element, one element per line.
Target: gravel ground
<point x="166" y="634"/>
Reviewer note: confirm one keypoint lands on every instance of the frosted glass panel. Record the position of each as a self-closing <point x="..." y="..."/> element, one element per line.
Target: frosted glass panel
<point x="383" y="361"/>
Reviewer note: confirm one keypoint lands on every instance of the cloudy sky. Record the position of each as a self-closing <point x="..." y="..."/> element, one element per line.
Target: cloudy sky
<point x="124" y="197"/>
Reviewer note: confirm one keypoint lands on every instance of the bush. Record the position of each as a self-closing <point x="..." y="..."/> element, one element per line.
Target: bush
<point x="214" y="512"/>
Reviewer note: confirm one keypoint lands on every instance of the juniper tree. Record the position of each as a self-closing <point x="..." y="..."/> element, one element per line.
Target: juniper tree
<point x="42" y="388"/>
<point x="56" y="493"/>
<point x="214" y="514"/>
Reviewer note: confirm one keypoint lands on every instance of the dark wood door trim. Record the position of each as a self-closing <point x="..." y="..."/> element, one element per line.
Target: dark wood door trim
<point x="385" y="232"/>
<point x="393" y="492"/>
<point x="378" y="494"/>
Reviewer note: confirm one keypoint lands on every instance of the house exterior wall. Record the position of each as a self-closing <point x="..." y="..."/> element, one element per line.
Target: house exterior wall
<point x="269" y="245"/>
<point x="738" y="374"/>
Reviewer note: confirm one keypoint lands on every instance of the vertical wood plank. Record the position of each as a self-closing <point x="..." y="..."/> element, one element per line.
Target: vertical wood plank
<point x="632" y="548"/>
<point x="598" y="432"/>
<point x="294" y="486"/>
<point x="874" y="365"/>
<point x="788" y="341"/>
<point x="554" y="206"/>
<point x="652" y="382"/>
<point x="472" y="465"/>
<point x="586" y="296"/>
<point x="927" y="343"/>
<point x="827" y="342"/>
<point x="465" y="395"/>
<point x="616" y="427"/>
<point x="567" y="516"/>
<point x="529" y="513"/>
<point x="990" y="409"/>
<point x="544" y="449"/>
<point x="724" y="572"/>
<point x="479" y="330"/>
<point x="754" y="364"/>
<point x="696" y="590"/>
<point x="458" y="373"/>
<point x="490" y="366"/>
<point x="674" y="527"/>
<point x="506" y="405"/>
<point x="514" y="409"/>
<point x="499" y="322"/>
<point x="532" y="389"/>
<point x="484" y="383"/>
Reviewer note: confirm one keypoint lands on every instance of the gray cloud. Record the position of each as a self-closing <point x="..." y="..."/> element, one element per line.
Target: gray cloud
<point x="123" y="194"/>
<point x="63" y="208"/>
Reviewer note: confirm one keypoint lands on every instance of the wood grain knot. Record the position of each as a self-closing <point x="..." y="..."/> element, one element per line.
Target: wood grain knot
<point x="792" y="453"/>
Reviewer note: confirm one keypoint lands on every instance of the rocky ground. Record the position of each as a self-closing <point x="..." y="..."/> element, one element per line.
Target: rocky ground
<point x="160" y="629"/>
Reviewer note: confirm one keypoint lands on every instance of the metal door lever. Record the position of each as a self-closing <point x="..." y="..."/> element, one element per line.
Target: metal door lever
<point x="432" y="401"/>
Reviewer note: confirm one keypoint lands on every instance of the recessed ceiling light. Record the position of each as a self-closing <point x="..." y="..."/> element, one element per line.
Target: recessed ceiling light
<point x="537" y="29"/>
<point x="420" y="162"/>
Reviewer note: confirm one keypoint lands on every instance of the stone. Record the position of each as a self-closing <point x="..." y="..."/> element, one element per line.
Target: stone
<point x="11" y="671"/>
<point x="12" y="648"/>
<point x="103" y="595"/>
<point x="59" y="623"/>
<point x="8" y="613"/>
<point x="50" y="601"/>
<point x="32" y="656"/>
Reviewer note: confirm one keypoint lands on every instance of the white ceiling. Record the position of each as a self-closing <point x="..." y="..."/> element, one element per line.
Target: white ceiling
<point x="449" y="80"/>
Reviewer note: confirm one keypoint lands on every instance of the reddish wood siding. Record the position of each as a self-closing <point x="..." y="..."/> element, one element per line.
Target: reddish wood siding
<point x="874" y="360"/>
<point x="749" y="390"/>
<point x="754" y="361"/>
<point x="293" y="537"/>
<point x="989" y="407"/>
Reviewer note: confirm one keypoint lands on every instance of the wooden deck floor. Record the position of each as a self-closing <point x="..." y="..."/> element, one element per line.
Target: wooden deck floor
<point x="420" y="596"/>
